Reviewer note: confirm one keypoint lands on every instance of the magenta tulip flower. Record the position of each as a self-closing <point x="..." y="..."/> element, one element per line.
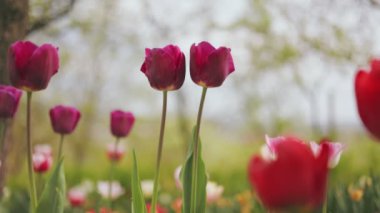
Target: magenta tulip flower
<point x="367" y="90"/>
<point x="209" y="67"/>
<point x="164" y="67"/>
<point x="30" y="66"/>
<point x="9" y="101"/>
<point x="64" y="119"/>
<point x="121" y="123"/>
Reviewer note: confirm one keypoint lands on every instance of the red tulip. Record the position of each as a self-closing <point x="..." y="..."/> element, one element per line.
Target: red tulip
<point x="77" y="197"/>
<point x="159" y="209"/>
<point x="164" y="67"/>
<point x="209" y="67"/>
<point x="290" y="176"/>
<point x="41" y="162"/>
<point x="9" y="100"/>
<point x="115" y="153"/>
<point x="30" y="66"/>
<point x="121" y="123"/>
<point x="367" y="89"/>
<point x="64" y="119"/>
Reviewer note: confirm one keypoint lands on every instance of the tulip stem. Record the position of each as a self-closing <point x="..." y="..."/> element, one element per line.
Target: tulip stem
<point x="196" y="153"/>
<point x="60" y="146"/>
<point x="159" y="152"/>
<point x="3" y="135"/>
<point x="112" y="168"/>
<point x="32" y="183"/>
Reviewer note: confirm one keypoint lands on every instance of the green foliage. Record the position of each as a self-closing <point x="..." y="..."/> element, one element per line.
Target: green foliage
<point x="201" y="180"/>
<point x="138" y="202"/>
<point x="54" y="193"/>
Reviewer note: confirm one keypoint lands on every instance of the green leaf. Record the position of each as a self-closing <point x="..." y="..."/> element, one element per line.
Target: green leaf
<point x="138" y="202"/>
<point x="54" y="193"/>
<point x="186" y="175"/>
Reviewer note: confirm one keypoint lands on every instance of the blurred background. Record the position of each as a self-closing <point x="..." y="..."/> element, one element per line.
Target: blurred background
<point x="295" y="66"/>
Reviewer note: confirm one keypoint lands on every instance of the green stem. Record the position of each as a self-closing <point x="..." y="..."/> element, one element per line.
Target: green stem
<point x="60" y="147"/>
<point x="3" y="135"/>
<point x="196" y="153"/>
<point x="159" y="153"/>
<point x="112" y="168"/>
<point x="32" y="183"/>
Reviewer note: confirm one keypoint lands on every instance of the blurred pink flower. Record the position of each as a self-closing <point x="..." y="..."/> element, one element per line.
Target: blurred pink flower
<point x="115" y="152"/>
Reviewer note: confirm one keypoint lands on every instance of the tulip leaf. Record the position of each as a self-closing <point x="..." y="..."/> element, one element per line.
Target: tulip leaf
<point x="186" y="176"/>
<point x="138" y="202"/>
<point x="54" y="193"/>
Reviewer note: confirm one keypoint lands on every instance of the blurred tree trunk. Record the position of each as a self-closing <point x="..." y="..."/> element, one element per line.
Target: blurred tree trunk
<point x="13" y="24"/>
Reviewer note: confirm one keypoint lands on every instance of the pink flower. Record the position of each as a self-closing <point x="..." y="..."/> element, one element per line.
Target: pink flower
<point x="121" y="123"/>
<point x="164" y="67"/>
<point x="31" y="67"/>
<point x="209" y="67"/>
<point x="77" y="197"/>
<point x="41" y="162"/>
<point x="64" y="119"/>
<point x="213" y="191"/>
<point x="9" y="101"/>
<point x="177" y="177"/>
<point x="115" y="152"/>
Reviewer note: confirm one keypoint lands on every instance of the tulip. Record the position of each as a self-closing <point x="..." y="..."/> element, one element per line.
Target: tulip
<point x="77" y="197"/>
<point x="104" y="188"/>
<point x="209" y="67"/>
<point x="9" y="101"/>
<point x="335" y="151"/>
<point x="147" y="188"/>
<point x="177" y="177"/>
<point x="115" y="152"/>
<point x="159" y="209"/>
<point x="41" y="162"/>
<point x="121" y="123"/>
<point x="213" y="191"/>
<point x="43" y="149"/>
<point x="64" y="119"/>
<point x="31" y="67"/>
<point x="367" y="90"/>
<point x="291" y="177"/>
<point x="164" y="67"/>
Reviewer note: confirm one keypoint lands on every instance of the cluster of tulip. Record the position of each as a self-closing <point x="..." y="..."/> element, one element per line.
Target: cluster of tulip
<point x="289" y="173"/>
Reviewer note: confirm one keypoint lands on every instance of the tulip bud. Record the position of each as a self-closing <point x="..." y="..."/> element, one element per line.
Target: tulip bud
<point x="9" y="100"/>
<point x="115" y="152"/>
<point x="31" y="67"/>
<point x="41" y="162"/>
<point x="209" y="67"/>
<point x="77" y="197"/>
<point x="213" y="191"/>
<point x="367" y="90"/>
<point x="103" y="189"/>
<point x="164" y="67"/>
<point x="121" y="123"/>
<point x="64" y="119"/>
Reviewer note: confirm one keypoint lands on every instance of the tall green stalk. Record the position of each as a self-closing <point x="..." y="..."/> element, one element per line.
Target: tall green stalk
<point x="159" y="153"/>
<point x="112" y="168"/>
<point x="196" y="153"/>
<point x="60" y="146"/>
<point x="32" y="182"/>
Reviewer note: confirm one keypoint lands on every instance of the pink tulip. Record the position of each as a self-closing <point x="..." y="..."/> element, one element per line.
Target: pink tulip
<point x="209" y="67"/>
<point x="164" y="67"/>
<point x="64" y="119"/>
<point x="9" y="101"/>
<point x="30" y="66"/>
<point x="115" y="152"/>
<point x="41" y="162"/>
<point x="121" y="123"/>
